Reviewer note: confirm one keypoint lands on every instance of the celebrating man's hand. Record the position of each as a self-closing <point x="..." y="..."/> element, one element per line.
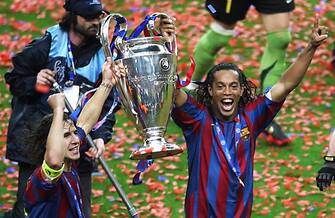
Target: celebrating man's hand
<point x="167" y="28"/>
<point x="113" y="71"/>
<point x="100" y="148"/>
<point x="57" y="101"/>
<point x="325" y="175"/>
<point x="319" y="33"/>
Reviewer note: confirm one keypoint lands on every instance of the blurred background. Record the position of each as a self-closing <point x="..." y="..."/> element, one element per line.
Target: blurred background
<point x="284" y="176"/>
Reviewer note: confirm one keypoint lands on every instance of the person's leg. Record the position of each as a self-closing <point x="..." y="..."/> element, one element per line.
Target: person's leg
<point x="85" y="179"/>
<point x="226" y="14"/>
<point x="273" y="62"/>
<point x="208" y="46"/>
<point x="25" y="171"/>
<point x="275" y="16"/>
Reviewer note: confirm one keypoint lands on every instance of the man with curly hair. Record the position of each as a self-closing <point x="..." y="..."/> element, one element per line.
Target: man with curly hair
<point x="221" y="129"/>
<point x="275" y="17"/>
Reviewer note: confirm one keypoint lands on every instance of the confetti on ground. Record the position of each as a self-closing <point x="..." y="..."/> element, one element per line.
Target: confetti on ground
<point x="284" y="177"/>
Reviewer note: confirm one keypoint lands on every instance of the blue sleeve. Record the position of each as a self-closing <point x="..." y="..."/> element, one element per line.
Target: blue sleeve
<point x="37" y="190"/>
<point x="81" y="133"/>
<point x="261" y="112"/>
<point x="189" y="113"/>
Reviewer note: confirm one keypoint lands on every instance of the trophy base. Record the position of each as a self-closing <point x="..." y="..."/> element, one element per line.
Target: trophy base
<point x="157" y="151"/>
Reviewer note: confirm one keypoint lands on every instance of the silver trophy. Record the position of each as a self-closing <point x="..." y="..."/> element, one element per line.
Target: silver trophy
<point x="147" y="91"/>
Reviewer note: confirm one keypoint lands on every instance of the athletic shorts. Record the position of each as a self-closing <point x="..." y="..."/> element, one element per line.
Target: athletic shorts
<point x="237" y="9"/>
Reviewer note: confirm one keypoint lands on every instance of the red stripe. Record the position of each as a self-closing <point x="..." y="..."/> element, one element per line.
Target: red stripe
<point x="254" y="104"/>
<point x="29" y="195"/>
<point x="189" y="206"/>
<point x="205" y="154"/>
<point x="242" y="163"/>
<point x="260" y="117"/>
<point x="64" y="204"/>
<point x="252" y="154"/>
<point x="42" y="194"/>
<point x="251" y="137"/>
<point x="268" y="112"/>
<point x="223" y="186"/>
<point x="248" y="210"/>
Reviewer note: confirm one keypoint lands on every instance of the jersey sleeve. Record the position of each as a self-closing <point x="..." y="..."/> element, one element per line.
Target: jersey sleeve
<point x="38" y="189"/>
<point x="261" y="112"/>
<point x="187" y="115"/>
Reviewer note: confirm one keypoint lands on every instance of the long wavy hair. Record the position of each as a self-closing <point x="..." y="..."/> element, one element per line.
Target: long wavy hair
<point x="69" y="19"/>
<point x="249" y="93"/>
<point x="37" y="138"/>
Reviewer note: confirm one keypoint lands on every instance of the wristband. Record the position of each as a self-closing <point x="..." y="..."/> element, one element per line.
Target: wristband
<point x="329" y="158"/>
<point x="50" y="173"/>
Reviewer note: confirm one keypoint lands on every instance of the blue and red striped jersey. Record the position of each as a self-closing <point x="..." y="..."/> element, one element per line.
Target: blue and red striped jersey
<point x="45" y="199"/>
<point x="60" y="199"/>
<point x="213" y="189"/>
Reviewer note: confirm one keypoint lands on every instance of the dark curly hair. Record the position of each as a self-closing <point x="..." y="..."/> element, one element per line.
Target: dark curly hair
<point x="67" y="21"/>
<point x="69" y="17"/>
<point x="37" y="138"/>
<point x="70" y="20"/>
<point x="249" y="93"/>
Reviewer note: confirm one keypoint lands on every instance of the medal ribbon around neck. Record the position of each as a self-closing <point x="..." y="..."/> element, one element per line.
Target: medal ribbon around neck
<point x="72" y="72"/>
<point x="75" y="202"/>
<point x="233" y="163"/>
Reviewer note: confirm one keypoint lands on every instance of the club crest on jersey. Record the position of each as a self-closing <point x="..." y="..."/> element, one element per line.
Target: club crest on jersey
<point x="245" y="133"/>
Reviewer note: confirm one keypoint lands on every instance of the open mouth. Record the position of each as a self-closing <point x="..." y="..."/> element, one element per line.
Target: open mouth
<point x="75" y="148"/>
<point x="227" y="104"/>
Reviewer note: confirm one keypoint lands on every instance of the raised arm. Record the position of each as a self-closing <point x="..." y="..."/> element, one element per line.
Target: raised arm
<point x="110" y="73"/>
<point x="295" y="73"/>
<point x="168" y="30"/>
<point x="180" y="98"/>
<point x="54" y="154"/>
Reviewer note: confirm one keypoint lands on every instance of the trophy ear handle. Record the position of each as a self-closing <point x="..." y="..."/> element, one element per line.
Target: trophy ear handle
<point x="151" y="23"/>
<point x="120" y="31"/>
<point x="171" y="44"/>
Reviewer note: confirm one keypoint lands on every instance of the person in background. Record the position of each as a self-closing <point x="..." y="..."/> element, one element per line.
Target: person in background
<point x="327" y="172"/>
<point x="275" y="16"/>
<point x="53" y="189"/>
<point x="221" y="129"/>
<point x="70" y="54"/>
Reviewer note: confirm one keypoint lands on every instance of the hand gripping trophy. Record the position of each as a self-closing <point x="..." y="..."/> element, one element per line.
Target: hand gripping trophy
<point x="146" y="93"/>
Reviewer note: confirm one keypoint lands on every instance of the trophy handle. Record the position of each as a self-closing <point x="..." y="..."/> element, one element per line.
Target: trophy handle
<point x="151" y="30"/>
<point x="120" y="32"/>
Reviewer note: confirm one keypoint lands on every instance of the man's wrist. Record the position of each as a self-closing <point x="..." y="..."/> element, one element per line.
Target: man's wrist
<point x="329" y="159"/>
<point x="58" y="110"/>
<point x="312" y="46"/>
<point x="107" y="84"/>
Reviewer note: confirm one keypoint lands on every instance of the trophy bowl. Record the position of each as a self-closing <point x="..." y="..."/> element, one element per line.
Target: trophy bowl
<point x="147" y="91"/>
